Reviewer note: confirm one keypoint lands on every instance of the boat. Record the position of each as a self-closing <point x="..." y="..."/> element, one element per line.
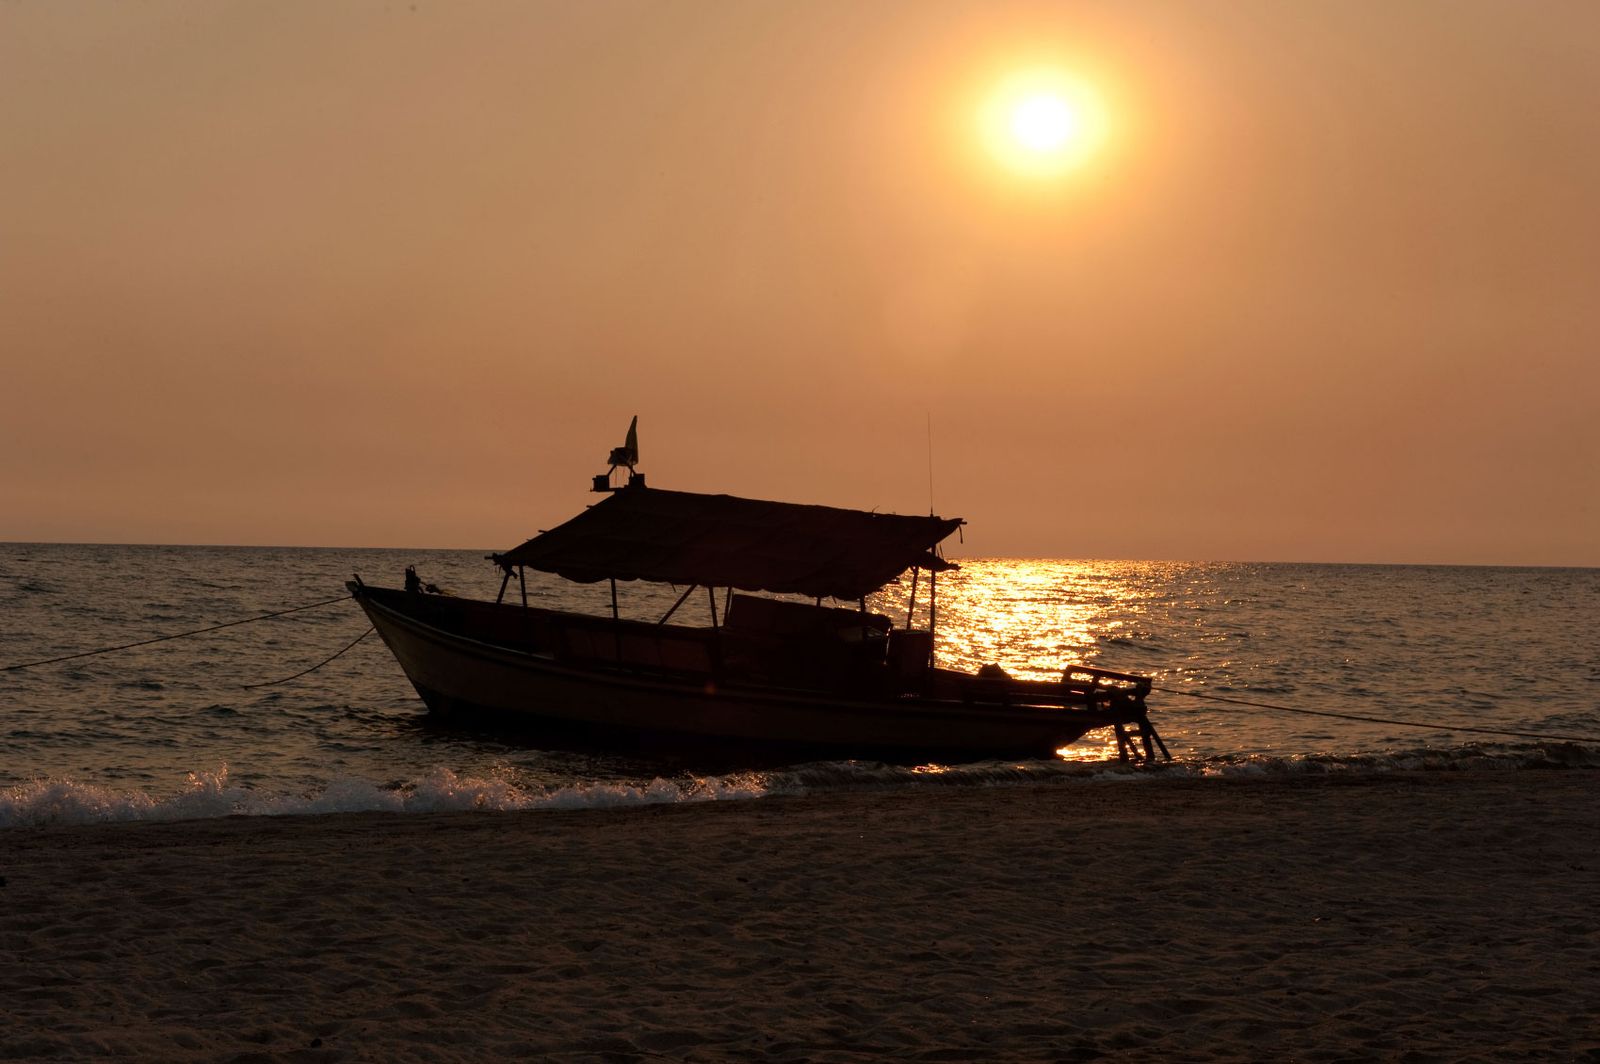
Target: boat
<point x="776" y="668"/>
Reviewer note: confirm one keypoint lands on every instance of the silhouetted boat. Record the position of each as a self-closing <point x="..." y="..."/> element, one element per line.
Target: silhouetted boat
<point x="768" y="673"/>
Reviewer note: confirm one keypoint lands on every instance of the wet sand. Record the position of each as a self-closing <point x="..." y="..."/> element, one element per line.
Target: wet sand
<point x="1421" y="917"/>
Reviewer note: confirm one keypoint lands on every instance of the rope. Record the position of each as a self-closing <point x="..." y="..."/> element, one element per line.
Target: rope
<point x="314" y="668"/>
<point x="178" y="635"/>
<point x="1383" y="720"/>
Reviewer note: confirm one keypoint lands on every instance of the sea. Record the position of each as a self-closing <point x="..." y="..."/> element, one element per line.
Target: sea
<point x="1449" y="669"/>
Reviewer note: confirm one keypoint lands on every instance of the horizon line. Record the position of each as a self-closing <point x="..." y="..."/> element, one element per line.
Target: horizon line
<point x="972" y="557"/>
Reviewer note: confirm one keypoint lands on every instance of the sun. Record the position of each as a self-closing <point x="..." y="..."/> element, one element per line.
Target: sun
<point x="1042" y="122"/>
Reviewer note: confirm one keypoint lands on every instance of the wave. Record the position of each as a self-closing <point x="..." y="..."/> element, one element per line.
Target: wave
<point x="207" y="795"/>
<point x="50" y="802"/>
<point x="853" y="775"/>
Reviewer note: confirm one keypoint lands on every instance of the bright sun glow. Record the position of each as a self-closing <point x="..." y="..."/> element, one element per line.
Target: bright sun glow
<point x="1042" y="122"/>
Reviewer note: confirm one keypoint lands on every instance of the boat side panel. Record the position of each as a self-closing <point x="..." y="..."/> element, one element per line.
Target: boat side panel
<point x="454" y="674"/>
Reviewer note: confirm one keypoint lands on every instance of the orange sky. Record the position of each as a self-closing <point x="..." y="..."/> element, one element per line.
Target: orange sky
<point x="398" y="274"/>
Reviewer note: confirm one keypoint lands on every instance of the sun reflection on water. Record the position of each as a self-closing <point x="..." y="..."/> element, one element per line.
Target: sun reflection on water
<point x="1032" y="618"/>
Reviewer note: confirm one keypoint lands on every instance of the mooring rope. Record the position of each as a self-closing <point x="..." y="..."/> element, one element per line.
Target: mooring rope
<point x="1587" y="739"/>
<point x="176" y="635"/>
<point x="1381" y="720"/>
<point x="314" y="668"/>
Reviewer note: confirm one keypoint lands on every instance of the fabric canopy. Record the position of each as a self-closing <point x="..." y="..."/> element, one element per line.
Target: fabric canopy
<point x="678" y="537"/>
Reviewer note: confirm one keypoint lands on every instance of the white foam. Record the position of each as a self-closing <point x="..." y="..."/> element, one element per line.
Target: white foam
<point x="209" y="794"/>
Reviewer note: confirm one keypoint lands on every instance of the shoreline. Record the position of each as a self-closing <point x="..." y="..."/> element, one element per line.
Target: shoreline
<point x="1434" y="916"/>
<point x="63" y="801"/>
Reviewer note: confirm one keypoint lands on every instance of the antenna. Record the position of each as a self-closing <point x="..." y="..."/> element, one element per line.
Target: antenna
<point x="929" y="416"/>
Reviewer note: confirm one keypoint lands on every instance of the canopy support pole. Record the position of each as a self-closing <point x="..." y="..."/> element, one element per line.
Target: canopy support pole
<point x="911" y="607"/>
<point x="681" y="600"/>
<point x="501" y="597"/>
<point x="933" y="609"/>
<point x="522" y="582"/>
<point x="711" y="592"/>
<point x="616" y="618"/>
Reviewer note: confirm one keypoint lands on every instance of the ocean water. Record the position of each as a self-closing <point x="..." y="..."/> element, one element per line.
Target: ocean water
<point x="171" y="730"/>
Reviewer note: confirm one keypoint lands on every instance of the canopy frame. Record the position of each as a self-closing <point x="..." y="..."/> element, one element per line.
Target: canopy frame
<point x="686" y="538"/>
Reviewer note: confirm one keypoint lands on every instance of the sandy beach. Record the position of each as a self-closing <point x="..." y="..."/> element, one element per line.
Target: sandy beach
<point x="1441" y="916"/>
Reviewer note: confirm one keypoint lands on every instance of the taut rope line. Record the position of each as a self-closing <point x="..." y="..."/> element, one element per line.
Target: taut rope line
<point x="1381" y="720"/>
<point x="314" y="668"/>
<point x="177" y="635"/>
<point x="1589" y="739"/>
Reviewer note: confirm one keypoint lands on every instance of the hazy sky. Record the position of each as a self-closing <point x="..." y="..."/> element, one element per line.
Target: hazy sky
<point x="399" y="273"/>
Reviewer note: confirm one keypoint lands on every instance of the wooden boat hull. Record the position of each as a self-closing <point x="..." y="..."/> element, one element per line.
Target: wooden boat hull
<point x="579" y="704"/>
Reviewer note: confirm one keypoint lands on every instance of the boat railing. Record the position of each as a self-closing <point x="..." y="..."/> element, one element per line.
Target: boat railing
<point x="1092" y="680"/>
<point x="1124" y="695"/>
<point x="1118" y="694"/>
